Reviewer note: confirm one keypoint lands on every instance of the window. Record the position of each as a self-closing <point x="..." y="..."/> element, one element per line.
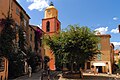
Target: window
<point x="17" y="11"/>
<point x="30" y="37"/>
<point x="99" y="46"/>
<point x="88" y="65"/>
<point x="16" y="27"/>
<point x="57" y="26"/>
<point x="25" y="22"/>
<point x="48" y="10"/>
<point x="48" y="26"/>
<point x="99" y="56"/>
<point x="24" y="34"/>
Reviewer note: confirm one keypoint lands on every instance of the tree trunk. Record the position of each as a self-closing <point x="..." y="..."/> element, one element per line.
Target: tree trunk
<point x="81" y="73"/>
<point x="72" y="67"/>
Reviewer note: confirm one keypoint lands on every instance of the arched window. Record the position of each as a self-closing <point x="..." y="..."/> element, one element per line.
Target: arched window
<point x="48" y="26"/>
<point x="57" y="26"/>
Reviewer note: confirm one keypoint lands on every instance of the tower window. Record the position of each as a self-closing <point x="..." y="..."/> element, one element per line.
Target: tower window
<point x="48" y="26"/>
<point x="57" y="26"/>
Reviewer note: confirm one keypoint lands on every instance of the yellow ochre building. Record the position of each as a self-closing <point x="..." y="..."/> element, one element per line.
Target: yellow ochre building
<point x="104" y="61"/>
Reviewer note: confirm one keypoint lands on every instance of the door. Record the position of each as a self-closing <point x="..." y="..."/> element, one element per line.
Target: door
<point x="99" y="69"/>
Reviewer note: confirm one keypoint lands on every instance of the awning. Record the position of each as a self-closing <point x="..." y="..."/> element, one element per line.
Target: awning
<point x="99" y="64"/>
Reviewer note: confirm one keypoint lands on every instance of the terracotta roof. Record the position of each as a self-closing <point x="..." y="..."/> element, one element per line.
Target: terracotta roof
<point x="117" y="51"/>
<point x="34" y="26"/>
<point x="102" y="35"/>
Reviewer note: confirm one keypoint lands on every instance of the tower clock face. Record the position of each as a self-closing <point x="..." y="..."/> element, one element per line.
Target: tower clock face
<point x="48" y="10"/>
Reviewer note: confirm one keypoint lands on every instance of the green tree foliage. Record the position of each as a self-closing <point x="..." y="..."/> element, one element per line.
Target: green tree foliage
<point x="73" y="45"/>
<point x="22" y="41"/>
<point x="119" y="63"/>
<point x="7" y="37"/>
<point x="33" y="60"/>
<point x="36" y="41"/>
<point x="46" y="60"/>
<point x="9" y="50"/>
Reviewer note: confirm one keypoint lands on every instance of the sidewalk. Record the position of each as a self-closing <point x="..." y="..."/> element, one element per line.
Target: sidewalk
<point x="102" y="74"/>
<point x="108" y="77"/>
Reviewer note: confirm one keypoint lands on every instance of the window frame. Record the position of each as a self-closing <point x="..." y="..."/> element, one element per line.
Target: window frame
<point x="17" y="11"/>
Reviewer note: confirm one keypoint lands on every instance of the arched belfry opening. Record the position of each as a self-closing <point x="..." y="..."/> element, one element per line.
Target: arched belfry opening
<point x="48" y="26"/>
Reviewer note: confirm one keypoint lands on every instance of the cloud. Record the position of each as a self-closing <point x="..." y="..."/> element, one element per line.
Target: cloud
<point x="116" y="44"/>
<point x="115" y="18"/>
<point x="38" y="4"/>
<point x="102" y="30"/>
<point x="115" y="30"/>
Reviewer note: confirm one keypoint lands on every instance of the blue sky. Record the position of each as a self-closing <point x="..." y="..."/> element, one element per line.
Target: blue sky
<point x="101" y="15"/>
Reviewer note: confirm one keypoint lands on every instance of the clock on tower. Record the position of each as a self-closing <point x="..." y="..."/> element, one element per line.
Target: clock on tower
<point x="50" y="23"/>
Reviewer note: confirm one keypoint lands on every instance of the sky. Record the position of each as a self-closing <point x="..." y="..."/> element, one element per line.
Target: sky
<point x="99" y="15"/>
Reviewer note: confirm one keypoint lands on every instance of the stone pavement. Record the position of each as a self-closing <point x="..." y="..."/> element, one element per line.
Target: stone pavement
<point x="33" y="77"/>
<point x="37" y="76"/>
<point x="53" y="76"/>
<point x="100" y="76"/>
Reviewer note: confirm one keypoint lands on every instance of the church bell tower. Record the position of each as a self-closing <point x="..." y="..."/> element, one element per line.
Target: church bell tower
<point x="50" y="23"/>
<point x="50" y="26"/>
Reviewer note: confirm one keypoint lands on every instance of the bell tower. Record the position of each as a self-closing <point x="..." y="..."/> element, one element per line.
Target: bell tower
<point x="51" y="11"/>
<point x="50" y="26"/>
<point x="50" y="23"/>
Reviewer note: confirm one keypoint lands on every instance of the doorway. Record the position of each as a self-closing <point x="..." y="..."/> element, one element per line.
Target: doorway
<point x="99" y="69"/>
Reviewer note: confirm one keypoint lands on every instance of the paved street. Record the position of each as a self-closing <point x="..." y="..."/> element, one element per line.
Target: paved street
<point x="53" y="76"/>
<point x="93" y="78"/>
<point x="88" y="76"/>
<point x="37" y="76"/>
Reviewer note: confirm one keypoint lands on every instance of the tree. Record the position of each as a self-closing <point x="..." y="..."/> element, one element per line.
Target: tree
<point x="119" y="63"/>
<point x="6" y="39"/>
<point x="8" y="48"/>
<point x="75" y="45"/>
<point x="22" y="35"/>
<point x="7" y="45"/>
<point x="22" y="41"/>
<point x="46" y="60"/>
<point x="34" y="61"/>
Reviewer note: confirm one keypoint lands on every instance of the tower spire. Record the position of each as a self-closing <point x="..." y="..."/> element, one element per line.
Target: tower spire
<point x="51" y="4"/>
